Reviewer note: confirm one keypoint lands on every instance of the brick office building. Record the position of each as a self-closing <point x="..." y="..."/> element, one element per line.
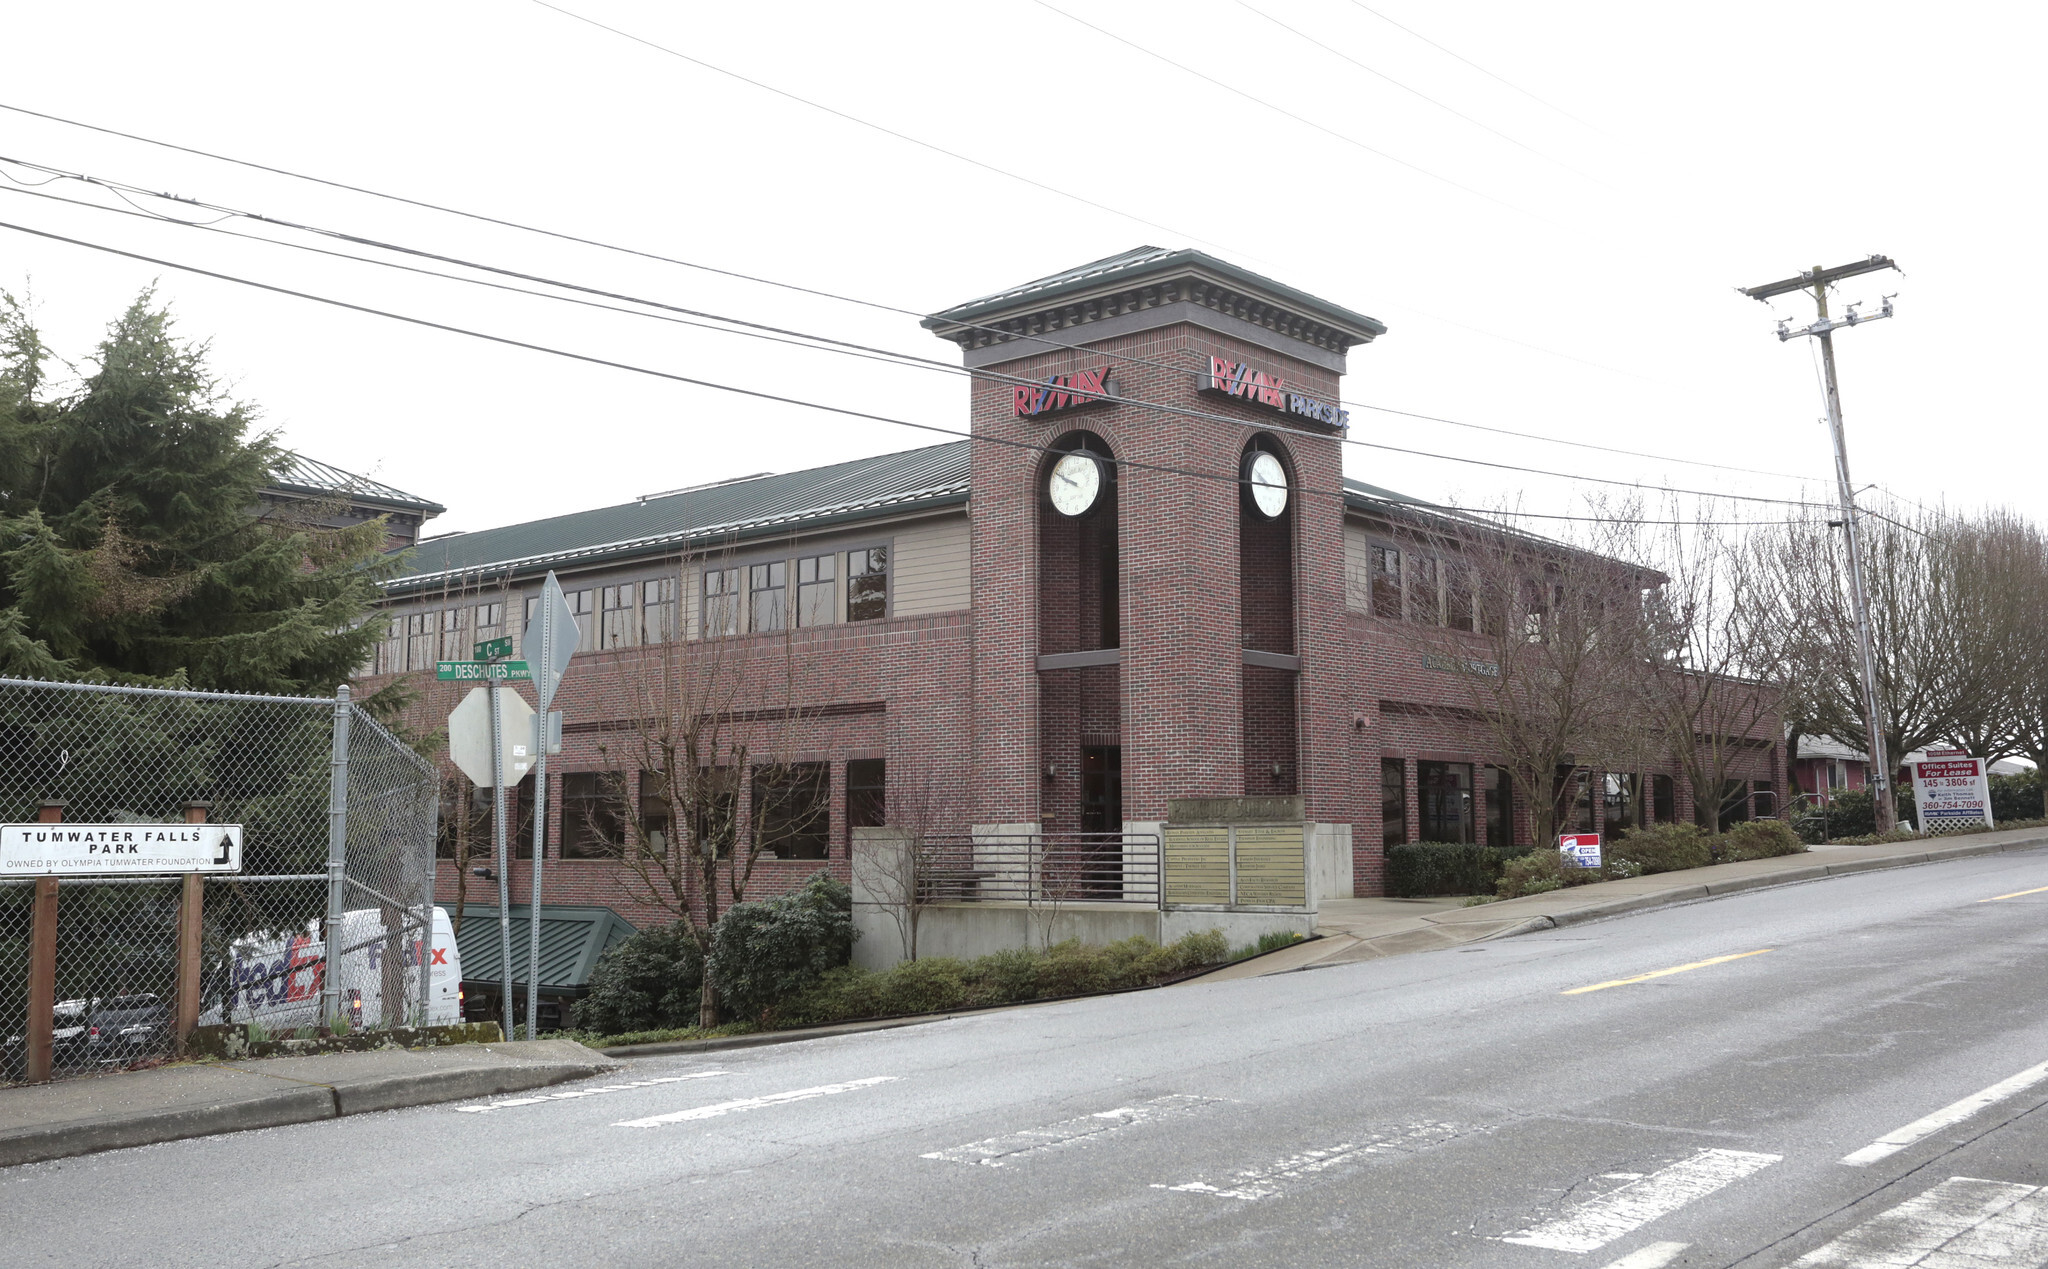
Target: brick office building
<point x="1091" y="607"/>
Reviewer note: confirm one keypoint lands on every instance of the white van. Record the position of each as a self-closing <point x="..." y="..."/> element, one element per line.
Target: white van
<point x="276" y="982"/>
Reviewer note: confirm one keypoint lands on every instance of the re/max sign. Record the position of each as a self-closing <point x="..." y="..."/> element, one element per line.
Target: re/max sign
<point x="1243" y="380"/>
<point x="1060" y="392"/>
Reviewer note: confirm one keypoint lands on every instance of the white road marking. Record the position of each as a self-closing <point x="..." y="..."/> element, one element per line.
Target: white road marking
<point x="1953" y="1113"/>
<point x="1597" y="1222"/>
<point x="1257" y="1183"/>
<point x="716" y="1109"/>
<point x="996" y="1152"/>
<point x="574" y="1093"/>
<point x="1654" y="1256"/>
<point x="1963" y="1223"/>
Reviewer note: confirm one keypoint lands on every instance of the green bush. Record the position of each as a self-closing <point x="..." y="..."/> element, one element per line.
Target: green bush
<point x="2016" y="797"/>
<point x="771" y="949"/>
<point x="939" y="983"/>
<point x="651" y="981"/>
<point x="1663" y="847"/>
<point x="1758" y="839"/>
<point x="1419" y="869"/>
<point x="1851" y="813"/>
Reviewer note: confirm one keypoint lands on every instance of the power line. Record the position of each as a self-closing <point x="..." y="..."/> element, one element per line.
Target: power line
<point x="1276" y="109"/>
<point x="1476" y="66"/>
<point x="735" y="274"/>
<point x="734" y="389"/>
<point x="118" y="187"/>
<point x="1415" y="92"/>
<point x="864" y="350"/>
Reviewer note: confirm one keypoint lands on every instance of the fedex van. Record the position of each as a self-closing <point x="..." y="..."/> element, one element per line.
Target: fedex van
<point x="276" y="982"/>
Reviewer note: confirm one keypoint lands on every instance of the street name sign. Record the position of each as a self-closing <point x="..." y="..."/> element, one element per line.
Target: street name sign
<point x="1952" y="793"/>
<point x="1580" y="850"/>
<point x="490" y="648"/>
<point x="478" y="671"/>
<point x="110" y="850"/>
<point x="469" y="736"/>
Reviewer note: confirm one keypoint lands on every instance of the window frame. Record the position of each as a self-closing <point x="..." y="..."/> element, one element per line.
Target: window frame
<point x="808" y="593"/>
<point x="887" y="573"/>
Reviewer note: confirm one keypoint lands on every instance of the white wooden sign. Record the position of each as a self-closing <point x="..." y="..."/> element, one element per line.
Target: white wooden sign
<point x="111" y="850"/>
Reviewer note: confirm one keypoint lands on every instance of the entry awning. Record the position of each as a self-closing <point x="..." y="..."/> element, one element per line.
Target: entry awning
<point x="571" y="941"/>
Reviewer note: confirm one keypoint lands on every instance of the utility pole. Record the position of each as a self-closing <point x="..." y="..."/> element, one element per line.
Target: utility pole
<point x="1818" y="279"/>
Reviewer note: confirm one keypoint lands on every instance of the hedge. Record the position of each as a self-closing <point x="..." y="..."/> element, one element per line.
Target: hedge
<point x="1419" y="869"/>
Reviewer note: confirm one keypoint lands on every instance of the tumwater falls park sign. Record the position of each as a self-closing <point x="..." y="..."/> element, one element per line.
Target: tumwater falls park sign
<point x="99" y="850"/>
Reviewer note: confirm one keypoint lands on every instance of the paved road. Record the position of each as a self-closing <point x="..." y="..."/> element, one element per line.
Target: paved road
<point x="1471" y="1107"/>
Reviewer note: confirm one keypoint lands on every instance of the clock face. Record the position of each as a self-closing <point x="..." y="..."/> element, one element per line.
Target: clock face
<point x="1268" y="480"/>
<point x="1075" y="484"/>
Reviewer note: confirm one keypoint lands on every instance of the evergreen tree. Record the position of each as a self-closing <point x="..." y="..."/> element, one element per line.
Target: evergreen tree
<point x="134" y="546"/>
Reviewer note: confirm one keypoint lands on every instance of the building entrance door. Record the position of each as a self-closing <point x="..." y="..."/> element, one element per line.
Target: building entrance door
<point x="1102" y="788"/>
<point x="1446" y="789"/>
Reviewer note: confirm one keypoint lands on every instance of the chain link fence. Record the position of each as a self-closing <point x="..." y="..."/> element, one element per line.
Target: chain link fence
<point x="328" y="925"/>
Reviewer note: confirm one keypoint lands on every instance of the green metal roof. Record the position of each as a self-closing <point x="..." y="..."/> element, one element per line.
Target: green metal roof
<point x="571" y="941"/>
<point x="1131" y="267"/>
<point x="736" y="509"/>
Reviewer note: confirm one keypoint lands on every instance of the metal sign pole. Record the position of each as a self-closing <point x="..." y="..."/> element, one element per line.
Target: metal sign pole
<point x="553" y="630"/>
<point x="498" y="835"/>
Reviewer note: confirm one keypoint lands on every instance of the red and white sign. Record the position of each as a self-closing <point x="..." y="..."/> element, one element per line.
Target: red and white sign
<point x="1952" y="793"/>
<point x="1060" y="392"/>
<point x="1580" y="850"/>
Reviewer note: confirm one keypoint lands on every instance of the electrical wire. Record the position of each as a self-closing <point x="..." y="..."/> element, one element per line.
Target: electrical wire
<point x="1256" y="100"/>
<point x="1476" y="66"/>
<point x="1416" y="92"/>
<point x="905" y="358"/>
<point x="738" y="390"/>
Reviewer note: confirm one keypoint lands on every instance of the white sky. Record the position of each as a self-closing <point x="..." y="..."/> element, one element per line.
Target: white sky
<point x="1584" y="291"/>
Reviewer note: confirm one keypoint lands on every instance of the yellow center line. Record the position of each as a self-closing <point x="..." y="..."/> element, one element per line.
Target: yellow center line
<point x="2014" y="895"/>
<point x="1659" y="973"/>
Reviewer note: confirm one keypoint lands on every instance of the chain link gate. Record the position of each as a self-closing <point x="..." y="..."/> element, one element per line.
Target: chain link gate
<point x="328" y="925"/>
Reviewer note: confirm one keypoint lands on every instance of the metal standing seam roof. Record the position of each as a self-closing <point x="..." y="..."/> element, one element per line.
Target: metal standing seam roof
<point x="936" y="474"/>
<point x="297" y="473"/>
<point x="1130" y="267"/>
<point x="571" y="941"/>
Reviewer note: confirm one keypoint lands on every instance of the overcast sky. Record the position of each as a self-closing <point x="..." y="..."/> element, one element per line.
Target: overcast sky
<point x="1550" y="206"/>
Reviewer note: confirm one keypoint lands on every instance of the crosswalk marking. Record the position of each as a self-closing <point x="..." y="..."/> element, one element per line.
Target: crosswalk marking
<point x="1953" y="1113"/>
<point x="574" y="1093"/>
<point x="1654" y="1256"/>
<point x="1597" y="1222"/>
<point x="1963" y="1223"/>
<point x="716" y="1109"/>
<point x="1253" y="1184"/>
<point x="996" y="1152"/>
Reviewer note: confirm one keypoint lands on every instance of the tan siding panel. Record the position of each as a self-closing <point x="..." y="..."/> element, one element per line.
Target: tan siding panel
<point x="929" y="571"/>
<point x="1357" y="569"/>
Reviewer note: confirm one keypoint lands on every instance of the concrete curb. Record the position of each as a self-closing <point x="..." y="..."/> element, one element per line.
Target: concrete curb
<point x="291" y="1102"/>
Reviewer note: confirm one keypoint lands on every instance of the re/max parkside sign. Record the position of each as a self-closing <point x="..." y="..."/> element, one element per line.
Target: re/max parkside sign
<point x="1247" y="382"/>
<point x="101" y="850"/>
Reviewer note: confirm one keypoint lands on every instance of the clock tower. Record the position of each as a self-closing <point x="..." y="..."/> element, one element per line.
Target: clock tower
<point x="1155" y="459"/>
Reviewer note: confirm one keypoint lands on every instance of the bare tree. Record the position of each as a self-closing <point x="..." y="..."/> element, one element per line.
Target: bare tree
<point x="911" y="868"/>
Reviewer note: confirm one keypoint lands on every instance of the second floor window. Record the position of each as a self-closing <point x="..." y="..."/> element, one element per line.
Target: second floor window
<point x="721" y="602"/>
<point x="391" y="652"/>
<point x="490" y="621"/>
<point x="817" y="599"/>
<point x="419" y="640"/>
<point x="621" y="627"/>
<point x="867" y="584"/>
<point x="1425" y="604"/>
<point x="453" y="646"/>
<point x="1386" y="582"/>
<point x="658" y="610"/>
<point x="768" y="596"/>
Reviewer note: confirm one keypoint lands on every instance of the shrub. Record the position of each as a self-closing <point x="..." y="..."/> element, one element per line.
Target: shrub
<point x="1418" y="869"/>
<point x="939" y="983"/>
<point x="1852" y="814"/>
<point x="1759" y="839"/>
<point x="650" y="981"/>
<point x="1663" y="847"/>
<point x="2016" y="797"/>
<point x="771" y="949"/>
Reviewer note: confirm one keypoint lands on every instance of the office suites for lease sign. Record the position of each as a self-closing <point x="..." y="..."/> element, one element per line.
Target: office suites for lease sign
<point x="1953" y="793"/>
<point x="103" y="850"/>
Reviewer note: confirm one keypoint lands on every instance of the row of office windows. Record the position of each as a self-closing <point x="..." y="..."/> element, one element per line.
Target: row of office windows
<point x="789" y="811"/>
<point x="743" y="599"/>
<point x="1603" y="802"/>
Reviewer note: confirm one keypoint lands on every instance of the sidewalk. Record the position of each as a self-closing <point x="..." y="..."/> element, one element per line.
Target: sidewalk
<point x="1366" y="929"/>
<point x="198" y="1099"/>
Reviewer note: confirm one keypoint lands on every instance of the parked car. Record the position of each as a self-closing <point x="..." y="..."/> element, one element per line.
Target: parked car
<point x="68" y="1042"/>
<point x="124" y="1029"/>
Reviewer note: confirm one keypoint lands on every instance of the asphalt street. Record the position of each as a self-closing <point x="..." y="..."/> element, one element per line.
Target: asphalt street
<point x="1844" y="1072"/>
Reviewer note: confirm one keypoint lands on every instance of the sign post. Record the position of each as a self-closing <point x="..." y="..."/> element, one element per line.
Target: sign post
<point x="490" y="749"/>
<point x="1953" y="792"/>
<point x="550" y="640"/>
<point x="1580" y="850"/>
